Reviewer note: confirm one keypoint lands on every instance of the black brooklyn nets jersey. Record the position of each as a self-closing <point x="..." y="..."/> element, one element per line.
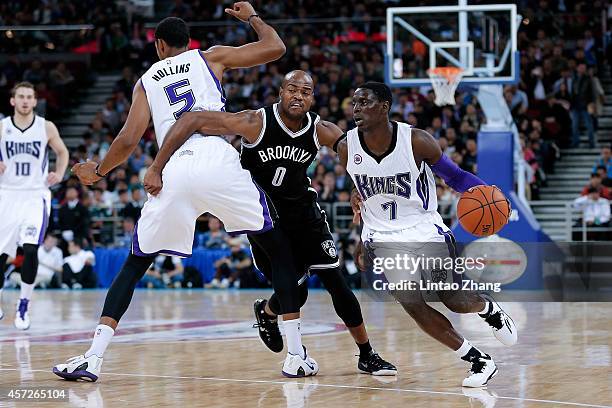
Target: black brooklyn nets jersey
<point x="279" y="158"/>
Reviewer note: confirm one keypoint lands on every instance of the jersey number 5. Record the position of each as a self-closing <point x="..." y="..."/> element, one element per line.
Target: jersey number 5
<point x="174" y="97"/>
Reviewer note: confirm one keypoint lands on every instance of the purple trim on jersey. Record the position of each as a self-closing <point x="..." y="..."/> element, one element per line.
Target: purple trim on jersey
<point x="143" y="88"/>
<point x="217" y="82"/>
<point x="45" y="161"/>
<point x="423" y="188"/>
<point x="1" y="154"/>
<point x="449" y="238"/>
<point x="43" y="229"/>
<point x="136" y="248"/>
<point x="456" y="178"/>
<point x="268" y="223"/>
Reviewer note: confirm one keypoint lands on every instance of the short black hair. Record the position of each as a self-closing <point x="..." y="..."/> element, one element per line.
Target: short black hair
<point x="173" y="31"/>
<point x="600" y="167"/>
<point x="593" y="175"/>
<point x="381" y="90"/>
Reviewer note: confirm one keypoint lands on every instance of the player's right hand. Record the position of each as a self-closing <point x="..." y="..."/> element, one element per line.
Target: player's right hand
<point x="153" y="181"/>
<point x="359" y="256"/>
<point x="2" y="168"/>
<point x="242" y="10"/>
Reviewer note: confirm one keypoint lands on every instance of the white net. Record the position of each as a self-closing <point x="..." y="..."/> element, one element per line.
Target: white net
<point x="445" y="81"/>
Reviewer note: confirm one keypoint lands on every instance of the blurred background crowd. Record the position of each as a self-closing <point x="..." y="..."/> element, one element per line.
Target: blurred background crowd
<point x="559" y="94"/>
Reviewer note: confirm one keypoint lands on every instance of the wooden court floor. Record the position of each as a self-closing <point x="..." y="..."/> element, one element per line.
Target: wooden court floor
<point x="197" y="348"/>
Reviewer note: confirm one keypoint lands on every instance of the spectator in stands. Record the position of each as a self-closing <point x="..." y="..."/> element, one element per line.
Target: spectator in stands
<point x="78" y="268"/>
<point x="110" y="116"/>
<point x="596" y="183"/>
<point x="166" y="271"/>
<point x="230" y="269"/>
<point x="595" y="211"/>
<point x="604" y="160"/>
<point x="127" y="233"/>
<point x="36" y="74"/>
<point x="328" y="192"/>
<point x="470" y="157"/>
<point x="582" y="95"/>
<point x="603" y="173"/>
<point x="129" y="210"/>
<point x="50" y="260"/>
<point x="216" y="237"/>
<point x="73" y="217"/>
<point x="137" y="160"/>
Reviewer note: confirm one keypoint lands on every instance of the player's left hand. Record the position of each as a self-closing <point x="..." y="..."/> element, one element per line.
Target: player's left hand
<point x="356" y="205"/>
<point x="53" y="178"/>
<point x="86" y="172"/>
<point x="153" y="181"/>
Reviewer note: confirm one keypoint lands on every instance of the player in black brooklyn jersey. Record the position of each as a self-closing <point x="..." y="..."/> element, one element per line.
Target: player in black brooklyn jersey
<point x="279" y="143"/>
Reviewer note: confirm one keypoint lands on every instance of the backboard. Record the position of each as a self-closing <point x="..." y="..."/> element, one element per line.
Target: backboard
<point x="482" y="40"/>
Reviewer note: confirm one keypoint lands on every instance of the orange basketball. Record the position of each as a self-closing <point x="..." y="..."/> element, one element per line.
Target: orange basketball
<point x="483" y="210"/>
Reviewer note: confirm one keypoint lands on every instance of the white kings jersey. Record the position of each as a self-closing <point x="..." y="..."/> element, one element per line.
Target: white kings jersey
<point x="179" y="84"/>
<point x="24" y="153"/>
<point x="396" y="193"/>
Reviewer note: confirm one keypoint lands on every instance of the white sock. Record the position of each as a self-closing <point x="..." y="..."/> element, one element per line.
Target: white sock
<point x="294" y="337"/>
<point x="101" y="339"/>
<point x="463" y="350"/>
<point x="26" y="290"/>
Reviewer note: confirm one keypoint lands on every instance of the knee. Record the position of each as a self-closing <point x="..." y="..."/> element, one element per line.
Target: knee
<point x="413" y="305"/>
<point x="455" y="302"/>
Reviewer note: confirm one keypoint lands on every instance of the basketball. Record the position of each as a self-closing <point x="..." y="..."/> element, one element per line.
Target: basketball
<point x="483" y="210"/>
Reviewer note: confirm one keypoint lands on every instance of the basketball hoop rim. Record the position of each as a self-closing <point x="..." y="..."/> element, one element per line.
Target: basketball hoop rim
<point x="450" y="73"/>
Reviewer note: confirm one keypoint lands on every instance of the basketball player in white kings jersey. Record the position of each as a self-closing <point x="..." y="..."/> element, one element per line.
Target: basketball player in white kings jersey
<point x="25" y="199"/>
<point x="204" y="176"/>
<point x="392" y="166"/>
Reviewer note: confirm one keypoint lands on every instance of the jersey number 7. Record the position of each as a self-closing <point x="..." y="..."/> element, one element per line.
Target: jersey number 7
<point x="174" y="97"/>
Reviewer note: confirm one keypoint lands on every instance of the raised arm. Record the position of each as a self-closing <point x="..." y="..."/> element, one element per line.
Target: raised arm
<point x="125" y="142"/>
<point x="269" y="46"/>
<point x="58" y="146"/>
<point x="427" y="149"/>
<point x="247" y="124"/>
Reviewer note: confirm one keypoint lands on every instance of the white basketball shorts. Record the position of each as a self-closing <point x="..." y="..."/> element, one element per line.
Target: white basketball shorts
<point x="203" y="176"/>
<point x="24" y="217"/>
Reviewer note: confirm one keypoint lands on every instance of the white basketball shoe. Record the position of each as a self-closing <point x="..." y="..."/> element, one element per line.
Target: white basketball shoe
<point x="80" y="367"/>
<point x="22" y="317"/>
<point x="502" y="325"/>
<point x="296" y="367"/>
<point x="483" y="369"/>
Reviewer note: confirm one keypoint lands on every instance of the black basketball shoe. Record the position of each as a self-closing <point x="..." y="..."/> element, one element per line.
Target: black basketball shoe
<point x="375" y="365"/>
<point x="268" y="327"/>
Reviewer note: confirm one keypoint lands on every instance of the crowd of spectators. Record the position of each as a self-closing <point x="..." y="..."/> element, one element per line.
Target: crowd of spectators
<point x="558" y="90"/>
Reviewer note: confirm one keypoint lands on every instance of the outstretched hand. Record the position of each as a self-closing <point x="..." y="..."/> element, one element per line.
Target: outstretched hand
<point x="242" y="10"/>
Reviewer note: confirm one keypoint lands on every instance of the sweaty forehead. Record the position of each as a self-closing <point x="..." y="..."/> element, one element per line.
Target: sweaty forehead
<point x="364" y="93"/>
<point x="298" y="82"/>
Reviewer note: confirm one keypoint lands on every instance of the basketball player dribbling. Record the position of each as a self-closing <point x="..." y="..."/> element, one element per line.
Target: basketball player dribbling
<point x="205" y="176"/>
<point x="393" y="167"/>
<point x="25" y="199"/>
<point x="279" y="142"/>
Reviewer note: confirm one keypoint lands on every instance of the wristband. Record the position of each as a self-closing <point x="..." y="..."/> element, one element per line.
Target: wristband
<point x="98" y="173"/>
<point x="251" y="16"/>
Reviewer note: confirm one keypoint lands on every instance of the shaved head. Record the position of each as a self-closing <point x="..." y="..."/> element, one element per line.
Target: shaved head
<point x="296" y="94"/>
<point x="298" y="77"/>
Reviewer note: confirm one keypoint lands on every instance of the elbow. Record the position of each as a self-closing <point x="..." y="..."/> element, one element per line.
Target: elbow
<point x="280" y="49"/>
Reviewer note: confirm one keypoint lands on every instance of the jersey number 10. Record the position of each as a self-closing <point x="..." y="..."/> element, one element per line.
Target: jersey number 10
<point x="22" y="169"/>
<point x="174" y="97"/>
